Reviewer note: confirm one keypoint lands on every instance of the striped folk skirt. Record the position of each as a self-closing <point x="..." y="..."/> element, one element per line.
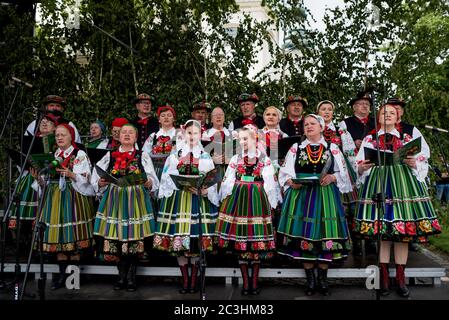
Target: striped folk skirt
<point x="313" y="226"/>
<point x="29" y="201"/>
<point x="124" y="219"/>
<point x="245" y="224"/>
<point x="178" y="228"/>
<point x="409" y="214"/>
<point x="68" y="216"/>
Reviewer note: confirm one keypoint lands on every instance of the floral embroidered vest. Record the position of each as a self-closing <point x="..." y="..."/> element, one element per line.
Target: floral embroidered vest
<point x="188" y="165"/>
<point x="249" y="168"/>
<point x="312" y="159"/>
<point x="162" y="145"/>
<point x="123" y="164"/>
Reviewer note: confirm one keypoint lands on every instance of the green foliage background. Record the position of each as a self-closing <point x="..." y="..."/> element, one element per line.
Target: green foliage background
<point x="406" y="54"/>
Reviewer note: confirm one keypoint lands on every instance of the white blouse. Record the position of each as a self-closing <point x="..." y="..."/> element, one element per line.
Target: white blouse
<point x="348" y="144"/>
<point x="104" y="163"/>
<point x="210" y="133"/>
<point x="341" y="173"/>
<point x="81" y="168"/>
<point x="205" y="164"/>
<point x="422" y="166"/>
<point x="270" y="184"/>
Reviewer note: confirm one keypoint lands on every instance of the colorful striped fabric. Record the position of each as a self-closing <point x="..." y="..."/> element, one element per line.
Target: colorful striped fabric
<point x="245" y="222"/>
<point x="28" y="199"/>
<point x="68" y="217"/>
<point x="125" y="214"/>
<point x="178" y="222"/>
<point x="409" y="214"/>
<point x="312" y="225"/>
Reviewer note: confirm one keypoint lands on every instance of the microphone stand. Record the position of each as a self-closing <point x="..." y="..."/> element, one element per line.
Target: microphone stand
<point x="379" y="197"/>
<point x="8" y="213"/>
<point x="10" y="199"/>
<point x="38" y="233"/>
<point x="202" y="261"/>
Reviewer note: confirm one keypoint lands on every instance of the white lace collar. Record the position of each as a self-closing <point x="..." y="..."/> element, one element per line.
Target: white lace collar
<point x="170" y="133"/>
<point x="67" y="152"/>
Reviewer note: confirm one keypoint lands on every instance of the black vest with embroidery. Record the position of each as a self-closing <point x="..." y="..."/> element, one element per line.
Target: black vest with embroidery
<point x="288" y="126"/>
<point x="407" y="128"/>
<point x="308" y="167"/>
<point x="138" y="162"/>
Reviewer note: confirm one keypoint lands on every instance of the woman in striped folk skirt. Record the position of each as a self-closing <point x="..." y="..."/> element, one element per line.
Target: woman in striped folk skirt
<point x="178" y="218"/>
<point x="313" y="226"/>
<point x="332" y="134"/>
<point x="67" y="203"/>
<point x="125" y="215"/>
<point x="409" y="214"/>
<point x="28" y="197"/>
<point x="249" y="192"/>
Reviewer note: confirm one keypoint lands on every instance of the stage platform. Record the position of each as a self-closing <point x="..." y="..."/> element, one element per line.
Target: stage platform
<point x="420" y="265"/>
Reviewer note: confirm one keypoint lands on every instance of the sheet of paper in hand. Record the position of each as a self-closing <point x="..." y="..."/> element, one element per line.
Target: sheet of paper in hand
<point x="390" y="158"/>
<point x="184" y="182"/>
<point x="125" y="181"/>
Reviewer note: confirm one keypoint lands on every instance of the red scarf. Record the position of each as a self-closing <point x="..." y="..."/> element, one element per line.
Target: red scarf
<point x="364" y="121"/>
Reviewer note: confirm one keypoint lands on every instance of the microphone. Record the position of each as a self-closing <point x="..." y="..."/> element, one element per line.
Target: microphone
<point x="436" y="129"/>
<point x="26" y="84"/>
<point x="52" y="165"/>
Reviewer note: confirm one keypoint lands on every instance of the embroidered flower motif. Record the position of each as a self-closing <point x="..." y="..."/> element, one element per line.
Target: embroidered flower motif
<point x="334" y="152"/>
<point x="293" y="150"/>
<point x="410" y="228"/>
<point x="157" y="240"/>
<point x="421" y="158"/>
<point x="304" y="245"/>
<point x="232" y="165"/>
<point x="400" y="227"/>
<point x="186" y="242"/>
<point x="261" y="245"/>
<point x="425" y="226"/>
<point x="329" y="244"/>
<point x="436" y="225"/>
<point x="177" y="243"/>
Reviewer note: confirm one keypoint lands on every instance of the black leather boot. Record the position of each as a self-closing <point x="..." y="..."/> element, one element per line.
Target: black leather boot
<point x="59" y="282"/>
<point x="322" y="285"/>
<point x="400" y="279"/>
<point x="311" y="281"/>
<point x="357" y="248"/>
<point x="245" y="277"/>
<point x="122" y="267"/>
<point x="185" y="278"/>
<point x="131" y="284"/>
<point x="370" y="247"/>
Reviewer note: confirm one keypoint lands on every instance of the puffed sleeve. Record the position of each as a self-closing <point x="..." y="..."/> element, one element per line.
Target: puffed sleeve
<point x="341" y="173"/>
<point x="82" y="170"/>
<point x="422" y="165"/>
<point x="167" y="186"/>
<point x="270" y="184"/>
<point x="206" y="164"/>
<point x="149" y="170"/>
<point x="103" y="164"/>
<point x="348" y="144"/>
<point x="229" y="179"/>
<point x="148" y="144"/>
<point x="287" y="171"/>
